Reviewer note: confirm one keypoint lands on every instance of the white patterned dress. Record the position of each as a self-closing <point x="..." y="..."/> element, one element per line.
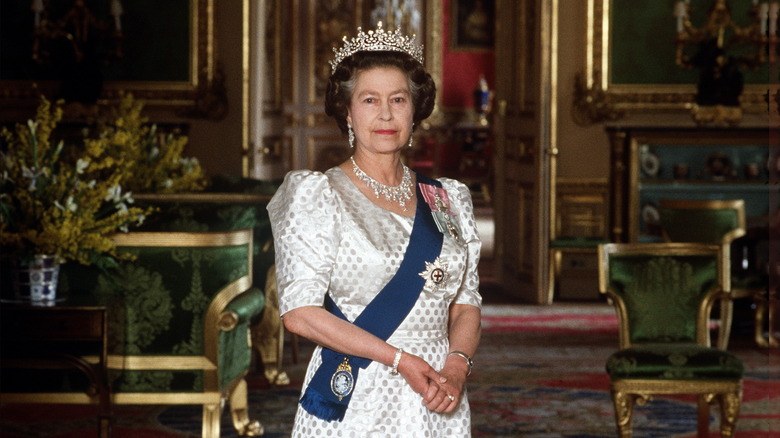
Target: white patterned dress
<point x="330" y="238"/>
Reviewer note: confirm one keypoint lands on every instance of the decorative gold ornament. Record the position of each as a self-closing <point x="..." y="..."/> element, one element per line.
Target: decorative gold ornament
<point x="592" y="104"/>
<point x="716" y="114"/>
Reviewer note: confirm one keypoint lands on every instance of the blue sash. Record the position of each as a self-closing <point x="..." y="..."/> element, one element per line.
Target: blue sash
<point x="381" y="317"/>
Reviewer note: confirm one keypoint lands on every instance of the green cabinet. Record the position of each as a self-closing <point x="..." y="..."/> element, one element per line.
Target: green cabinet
<point x="650" y="164"/>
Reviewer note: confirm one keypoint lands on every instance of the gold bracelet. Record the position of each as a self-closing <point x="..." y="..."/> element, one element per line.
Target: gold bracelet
<point x="469" y="362"/>
<point x="396" y="361"/>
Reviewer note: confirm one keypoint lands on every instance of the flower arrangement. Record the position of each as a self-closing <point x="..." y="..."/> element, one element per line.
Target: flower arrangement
<point x="66" y="199"/>
<point x="153" y="161"/>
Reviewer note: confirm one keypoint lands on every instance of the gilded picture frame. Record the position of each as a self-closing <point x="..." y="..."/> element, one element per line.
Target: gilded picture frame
<point x="603" y="94"/>
<point x="472" y="26"/>
<point x="183" y="77"/>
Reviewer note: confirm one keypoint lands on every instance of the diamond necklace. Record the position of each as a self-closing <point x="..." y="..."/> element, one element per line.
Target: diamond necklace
<point x="398" y="194"/>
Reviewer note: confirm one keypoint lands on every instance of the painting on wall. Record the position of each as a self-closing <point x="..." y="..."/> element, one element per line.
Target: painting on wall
<point x="631" y="62"/>
<point x="473" y="24"/>
<point x="643" y="35"/>
<point x="90" y="51"/>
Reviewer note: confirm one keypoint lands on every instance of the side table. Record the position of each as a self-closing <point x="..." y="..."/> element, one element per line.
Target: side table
<point x="573" y="270"/>
<point x="57" y="337"/>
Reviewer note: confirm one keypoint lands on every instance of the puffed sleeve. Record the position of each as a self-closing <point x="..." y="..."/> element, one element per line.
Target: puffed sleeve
<point x="462" y="206"/>
<point x="305" y="221"/>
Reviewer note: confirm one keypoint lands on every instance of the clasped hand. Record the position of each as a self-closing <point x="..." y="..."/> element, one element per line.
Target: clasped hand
<point x="441" y="391"/>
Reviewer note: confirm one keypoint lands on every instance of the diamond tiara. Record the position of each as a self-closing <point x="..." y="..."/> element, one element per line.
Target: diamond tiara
<point x="377" y="40"/>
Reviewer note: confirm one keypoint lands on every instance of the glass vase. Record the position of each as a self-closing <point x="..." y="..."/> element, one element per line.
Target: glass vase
<point x="36" y="280"/>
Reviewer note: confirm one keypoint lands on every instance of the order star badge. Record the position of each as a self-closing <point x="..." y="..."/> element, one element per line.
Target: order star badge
<point x="435" y="274"/>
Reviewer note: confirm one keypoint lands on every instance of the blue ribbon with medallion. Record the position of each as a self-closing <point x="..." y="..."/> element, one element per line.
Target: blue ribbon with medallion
<point x="330" y="389"/>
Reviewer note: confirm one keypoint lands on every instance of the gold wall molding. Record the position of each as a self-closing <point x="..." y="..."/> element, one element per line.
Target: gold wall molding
<point x="272" y="94"/>
<point x="334" y="19"/>
<point x="434" y="14"/>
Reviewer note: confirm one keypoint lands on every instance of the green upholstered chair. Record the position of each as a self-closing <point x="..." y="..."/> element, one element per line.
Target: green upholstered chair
<point x="702" y="220"/>
<point x="238" y="203"/>
<point x="663" y="294"/>
<point x="711" y="221"/>
<point x="216" y="212"/>
<point x="180" y="314"/>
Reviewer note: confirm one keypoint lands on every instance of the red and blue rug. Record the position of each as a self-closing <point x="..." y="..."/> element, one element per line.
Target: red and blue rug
<point x="539" y="373"/>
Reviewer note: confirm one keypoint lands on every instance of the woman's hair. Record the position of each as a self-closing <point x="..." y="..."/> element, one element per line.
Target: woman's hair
<point x="342" y="83"/>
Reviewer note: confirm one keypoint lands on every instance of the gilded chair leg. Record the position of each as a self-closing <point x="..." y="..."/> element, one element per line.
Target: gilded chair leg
<point x="774" y="340"/>
<point x="703" y="416"/>
<point x="729" y="411"/>
<point x="624" y="407"/>
<point x="211" y="418"/>
<point x="758" y="321"/>
<point x="554" y="271"/>
<point x="240" y="414"/>
<point x="726" y="315"/>
<point x="295" y="348"/>
<point x="773" y="303"/>
<point x="268" y="335"/>
<point x="281" y="377"/>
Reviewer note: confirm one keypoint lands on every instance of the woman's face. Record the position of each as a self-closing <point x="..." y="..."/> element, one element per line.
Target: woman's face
<point x="381" y="110"/>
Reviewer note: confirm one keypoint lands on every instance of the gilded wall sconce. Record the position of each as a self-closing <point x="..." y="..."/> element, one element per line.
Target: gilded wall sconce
<point x="720" y="49"/>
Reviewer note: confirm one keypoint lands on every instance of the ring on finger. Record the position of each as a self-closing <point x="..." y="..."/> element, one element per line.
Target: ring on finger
<point x="451" y="397"/>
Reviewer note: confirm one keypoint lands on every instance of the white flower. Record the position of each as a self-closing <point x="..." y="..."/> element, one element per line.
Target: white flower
<point x="33" y="176"/>
<point x="91" y="184"/>
<point x="70" y="205"/>
<point x="81" y="166"/>
<point x="114" y="194"/>
<point x="32" y="124"/>
<point x="168" y="183"/>
<point x="189" y="163"/>
<point x="27" y="172"/>
<point x="154" y="153"/>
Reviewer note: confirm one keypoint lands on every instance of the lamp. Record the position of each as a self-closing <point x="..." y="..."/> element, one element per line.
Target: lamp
<point x="76" y="42"/>
<point x="722" y="48"/>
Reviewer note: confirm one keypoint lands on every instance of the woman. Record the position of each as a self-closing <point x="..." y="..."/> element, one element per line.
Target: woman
<point x="378" y="265"/>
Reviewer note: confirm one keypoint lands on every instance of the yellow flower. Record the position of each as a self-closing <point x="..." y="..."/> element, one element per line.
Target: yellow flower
<point x="66" y="200"/>
<point x="61" y="199"/>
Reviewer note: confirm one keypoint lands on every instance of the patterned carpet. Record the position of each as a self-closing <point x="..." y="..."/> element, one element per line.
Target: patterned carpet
<point x="539" y="373"/>
<point x="554" y="385"/>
